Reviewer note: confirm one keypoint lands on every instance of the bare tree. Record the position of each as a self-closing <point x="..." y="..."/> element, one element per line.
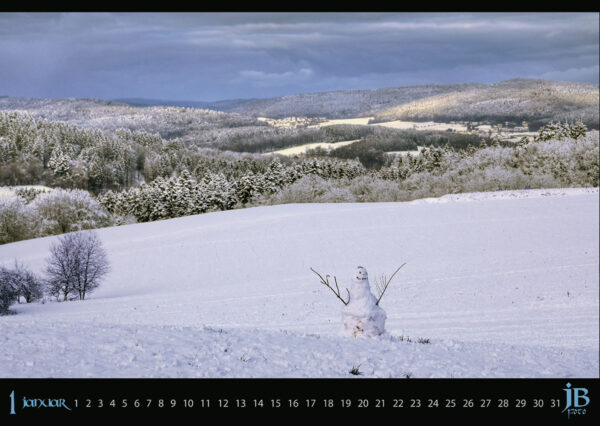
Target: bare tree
<point x="76" y="264"/>
<point x="61" y="267"/>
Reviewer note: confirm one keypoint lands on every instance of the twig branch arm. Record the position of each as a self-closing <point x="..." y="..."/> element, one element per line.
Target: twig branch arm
<point x="387" y="283"/>
<point x="325" y="282"/>
<point x="338" y="291"/>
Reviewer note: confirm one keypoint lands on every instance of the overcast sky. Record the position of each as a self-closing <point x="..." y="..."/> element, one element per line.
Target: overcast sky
<point x="213" y="56"/>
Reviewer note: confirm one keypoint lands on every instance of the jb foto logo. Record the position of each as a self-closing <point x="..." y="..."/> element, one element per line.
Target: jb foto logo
<point x="37" y="403"/>
<point x="577" y="400"/>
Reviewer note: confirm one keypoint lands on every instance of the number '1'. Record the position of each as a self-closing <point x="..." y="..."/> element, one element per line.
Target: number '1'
<point x="12" y="402"/>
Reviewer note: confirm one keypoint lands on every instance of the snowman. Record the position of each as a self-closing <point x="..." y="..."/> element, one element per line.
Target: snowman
<point x="362" y="316"/>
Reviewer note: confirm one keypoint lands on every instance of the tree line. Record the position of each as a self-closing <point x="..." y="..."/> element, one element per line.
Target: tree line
<point x="562" y="155"/>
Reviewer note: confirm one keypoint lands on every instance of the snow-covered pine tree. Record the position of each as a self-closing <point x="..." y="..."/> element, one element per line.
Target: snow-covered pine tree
<point x="59" y="163"/>
<point x="577" y="130"/>
<point x="219" y="193"/>
<point x="245" y="187"/>
<point x="184" y="193"/>
<point x="8" y="151"/>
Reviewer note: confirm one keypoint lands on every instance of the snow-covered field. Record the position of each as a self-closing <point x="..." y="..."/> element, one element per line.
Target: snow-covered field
<point x="363" y="121"/>
<point x="503" y="284"/>
<point x="404" y="153"/>
<point x="301" y="149"/>
<point x="424" y="125"/>
<point x="396" y="124"/>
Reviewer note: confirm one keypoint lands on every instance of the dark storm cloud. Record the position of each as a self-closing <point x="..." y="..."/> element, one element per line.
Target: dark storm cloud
<point x="210" y="56"/>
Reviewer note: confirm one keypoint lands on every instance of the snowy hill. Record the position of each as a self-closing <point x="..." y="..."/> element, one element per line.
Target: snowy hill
<point x="510" y="100"/>
<point x="503" y="284"/>
<point x="513" y="100"/>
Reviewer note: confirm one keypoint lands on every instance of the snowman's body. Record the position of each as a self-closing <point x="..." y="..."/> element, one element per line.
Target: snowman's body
<point x="362" y="317"/>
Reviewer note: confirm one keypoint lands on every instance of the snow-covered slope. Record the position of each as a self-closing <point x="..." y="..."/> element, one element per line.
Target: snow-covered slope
<point x="502" y="284"/>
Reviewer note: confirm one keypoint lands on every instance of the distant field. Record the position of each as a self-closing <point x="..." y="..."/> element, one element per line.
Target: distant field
<point x="396" y="124"/>
<point x="427" y="125"/>
<point x="362" y="121"/>
<point x="301" y="149"/>
<point x="515" y="137"/>
<point x="414" y="152"/>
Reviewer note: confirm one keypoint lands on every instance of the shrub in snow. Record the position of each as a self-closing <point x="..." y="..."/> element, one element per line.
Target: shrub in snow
<point x="76" y="265"/>
<point x="310" y="189"/>
<point x="8" y="293"/>
<point x="16" y="219"/>
<point x="371" y="189"/>
<point x="24" y="283"/>
<point x="7" y="297"/>
<point x="62" y="211"/>
<point x="361" y="315"/>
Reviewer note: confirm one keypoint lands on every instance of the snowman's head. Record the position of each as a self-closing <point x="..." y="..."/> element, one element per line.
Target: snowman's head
<point x="361" y="274"/>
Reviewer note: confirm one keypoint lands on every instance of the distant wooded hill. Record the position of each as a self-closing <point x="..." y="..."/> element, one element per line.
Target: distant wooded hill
<point x="535" y="101"/>
<point x="169" y="122"/>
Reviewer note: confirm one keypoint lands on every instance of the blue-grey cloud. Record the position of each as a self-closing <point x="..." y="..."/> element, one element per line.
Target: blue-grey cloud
<point x="211" y="56"/>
